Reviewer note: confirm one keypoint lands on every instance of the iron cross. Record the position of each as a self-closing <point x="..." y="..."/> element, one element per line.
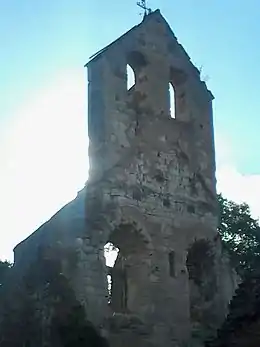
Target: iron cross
<point x="143" y="5"/>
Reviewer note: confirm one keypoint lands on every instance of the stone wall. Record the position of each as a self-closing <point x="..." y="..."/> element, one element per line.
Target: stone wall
<point x="151" y="193"/>
<point x="40" y="308"/>
<point x="156" y="175"/>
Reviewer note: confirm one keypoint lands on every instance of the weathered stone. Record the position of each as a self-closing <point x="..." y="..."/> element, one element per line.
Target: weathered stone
<point x="151" y="194"/>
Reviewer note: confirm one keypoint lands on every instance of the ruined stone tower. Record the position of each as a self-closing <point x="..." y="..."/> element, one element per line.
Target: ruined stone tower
<point x="152" y="188"/>
<point x="151" y="195"/>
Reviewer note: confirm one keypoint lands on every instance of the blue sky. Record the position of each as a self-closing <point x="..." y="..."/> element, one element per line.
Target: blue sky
<point x="43" y="95"/>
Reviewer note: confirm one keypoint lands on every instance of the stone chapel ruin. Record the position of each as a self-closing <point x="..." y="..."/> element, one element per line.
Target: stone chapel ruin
<point x="151" y="196"/>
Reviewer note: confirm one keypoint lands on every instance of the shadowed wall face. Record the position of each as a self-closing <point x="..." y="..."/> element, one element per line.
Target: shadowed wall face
<point x="151" y="194"/>
<point x="152" y="162"/>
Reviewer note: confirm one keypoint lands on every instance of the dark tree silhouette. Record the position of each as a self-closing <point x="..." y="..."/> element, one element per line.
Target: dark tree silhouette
<point x="240" y="234"/>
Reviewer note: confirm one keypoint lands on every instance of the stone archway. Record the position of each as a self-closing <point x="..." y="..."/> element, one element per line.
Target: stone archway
<point x="202" y="284"/>
<point x="127" y="269"/>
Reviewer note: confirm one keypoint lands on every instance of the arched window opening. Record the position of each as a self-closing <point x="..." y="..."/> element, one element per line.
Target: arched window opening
<point x="124" y="254"/>
<point x="135" y="64"/>
<point x="202" y="280"/>
<point x="200" y="262"/>
<point x="130" y="77"/>
<point x="111" y="254"/>
<point x="177" y="94"/>
<point x="116" y="278"/>
<point x="137" y="60"/>
<point x="172" y="263"/>
<point x="172" y="101"/>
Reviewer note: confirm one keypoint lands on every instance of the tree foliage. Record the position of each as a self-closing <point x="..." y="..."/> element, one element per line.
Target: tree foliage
<point x="5" y="267"/>
<point x="240" y="234"/>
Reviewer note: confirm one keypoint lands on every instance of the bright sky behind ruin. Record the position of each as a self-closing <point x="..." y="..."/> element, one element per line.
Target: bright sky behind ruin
<point x="43" y="96"/>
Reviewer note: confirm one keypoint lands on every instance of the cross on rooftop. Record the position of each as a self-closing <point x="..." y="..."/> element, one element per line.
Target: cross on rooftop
<point x="143" y="5"/>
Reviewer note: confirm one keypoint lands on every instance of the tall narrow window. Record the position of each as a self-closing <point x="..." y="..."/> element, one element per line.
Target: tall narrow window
<point x="116" y="278"/>
<point x="202" y="280"/>
<point x="172" y="101"/>
<point x="130" y="77"/>
<point x="127" y="274"/>
<point x="172" y="264"/>
<point x="111" y="254"/>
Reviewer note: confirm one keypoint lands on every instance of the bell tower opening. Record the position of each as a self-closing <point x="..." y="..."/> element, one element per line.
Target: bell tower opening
<point x="134" y="68"/>
<point x="172" y="101"/>
<point x="130" y="77"/>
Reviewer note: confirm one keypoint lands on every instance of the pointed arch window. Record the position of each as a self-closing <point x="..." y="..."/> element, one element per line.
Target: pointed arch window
<point x="124" y="253"/>
<point x="130" y="77"/>
<point x="172" y="101"/>
<point x="176" y="94"/>
<point x="135" y="64"/>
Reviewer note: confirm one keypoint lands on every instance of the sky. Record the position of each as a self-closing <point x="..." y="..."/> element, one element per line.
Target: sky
<point x="43" y="96"/>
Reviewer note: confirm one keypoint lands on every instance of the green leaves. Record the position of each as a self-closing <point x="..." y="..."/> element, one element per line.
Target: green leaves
<point x="240" y="234"/>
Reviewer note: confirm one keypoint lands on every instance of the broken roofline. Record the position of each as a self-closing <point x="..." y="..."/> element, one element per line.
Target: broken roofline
<point x="156" y="13"/>
<point x="146" y="18"/>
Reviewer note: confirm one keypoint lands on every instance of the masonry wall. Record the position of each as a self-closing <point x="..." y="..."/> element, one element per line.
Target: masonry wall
<point x="156" y="175"/>
<point x="151" y="193"/>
